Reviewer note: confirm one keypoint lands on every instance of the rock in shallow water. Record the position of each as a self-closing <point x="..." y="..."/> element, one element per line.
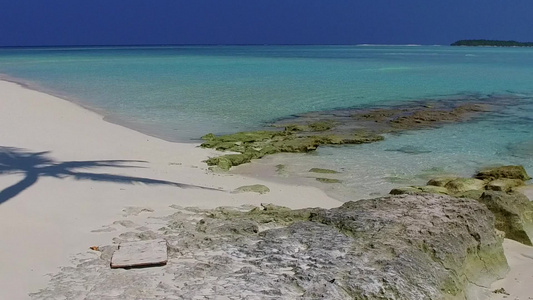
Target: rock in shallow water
<point x="509" y="172"/>
<point x="399" y="247"/>
<point x="306" y="132"/>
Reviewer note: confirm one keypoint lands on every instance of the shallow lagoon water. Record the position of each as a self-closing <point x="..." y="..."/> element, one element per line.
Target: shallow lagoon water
<point x="181" y="93"/>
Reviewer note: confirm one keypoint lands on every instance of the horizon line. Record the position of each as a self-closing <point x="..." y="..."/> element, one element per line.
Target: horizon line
<point x="182" y="45"/>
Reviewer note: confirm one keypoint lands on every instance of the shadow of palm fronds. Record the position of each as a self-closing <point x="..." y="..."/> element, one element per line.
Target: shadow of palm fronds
<point x="34" y="165"/>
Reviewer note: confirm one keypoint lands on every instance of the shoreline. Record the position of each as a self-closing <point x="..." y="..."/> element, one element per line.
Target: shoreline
<point x="87" y="172"/>
<point x="92" y="173"/>
<point x="106" y="115"/>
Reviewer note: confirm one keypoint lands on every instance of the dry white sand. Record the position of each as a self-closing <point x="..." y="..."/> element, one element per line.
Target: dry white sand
<point x="519" y="281"/>
<point x="57" y="149"/>
<point x="51" y="220"/>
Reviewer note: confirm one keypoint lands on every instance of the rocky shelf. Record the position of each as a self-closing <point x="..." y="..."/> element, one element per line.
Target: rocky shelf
<point x="420" y="244"/>
<point x="307" y="132"/>
<point x="396" y="247"/>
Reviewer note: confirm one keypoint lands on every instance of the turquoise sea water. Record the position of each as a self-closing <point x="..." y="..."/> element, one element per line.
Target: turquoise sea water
<point x="181" y="93"/>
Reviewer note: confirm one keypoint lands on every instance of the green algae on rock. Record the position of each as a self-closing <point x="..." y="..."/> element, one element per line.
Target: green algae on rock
<point x="514" y="214"/>
<point x="256" y="188"/>
<point x="307" y="132"/>
<point x="418" y="190"/>
<point x="328" y="180"/>
<point x="440" y="181"/>
<point x="509" y="172"/>
<point x="257" y="144"/>
<point x="322" y="125"/>
<point x="459" y="185"/>
<point x="504" y="184"/>
<point x="322" y="171"/>
<point x="267" y="213"/>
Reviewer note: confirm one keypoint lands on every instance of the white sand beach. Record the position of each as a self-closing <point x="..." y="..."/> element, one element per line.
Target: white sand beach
<point x="68" y="192"/>
<point x="67" y="173"/>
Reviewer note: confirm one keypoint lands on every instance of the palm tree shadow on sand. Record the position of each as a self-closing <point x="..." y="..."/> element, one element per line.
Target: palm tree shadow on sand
<point x="34" y="165"/>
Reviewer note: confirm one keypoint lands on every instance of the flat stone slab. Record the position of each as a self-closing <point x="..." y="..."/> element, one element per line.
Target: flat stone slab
<point x="140" y="254"/>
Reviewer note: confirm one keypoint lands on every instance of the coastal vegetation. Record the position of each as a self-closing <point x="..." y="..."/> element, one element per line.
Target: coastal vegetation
<point x="493" y="43"/>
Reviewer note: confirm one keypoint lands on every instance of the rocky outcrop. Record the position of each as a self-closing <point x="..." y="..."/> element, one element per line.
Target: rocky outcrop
<point x="398" y="247"/>
<point x="513" y="210"/>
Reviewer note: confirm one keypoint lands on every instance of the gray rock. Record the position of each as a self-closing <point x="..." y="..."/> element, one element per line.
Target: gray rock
<point x="417" y="247"/>
<point x="398" y="247"/>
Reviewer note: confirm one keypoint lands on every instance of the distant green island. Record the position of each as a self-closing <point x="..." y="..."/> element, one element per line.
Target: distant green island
<point x="475" y="43"/>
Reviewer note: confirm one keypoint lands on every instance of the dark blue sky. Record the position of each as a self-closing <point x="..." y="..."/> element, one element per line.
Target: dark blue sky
<point x="126" y="22"/>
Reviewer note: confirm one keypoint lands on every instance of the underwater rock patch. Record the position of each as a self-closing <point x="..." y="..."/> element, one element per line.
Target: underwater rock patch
<point x="328" y="180"/>
<point x="322" y="171"/>
<point x="254" y="145"/>
<point x="521" y="150"/>
<point x="410" y="150"/>
<point x="306" y="132"/>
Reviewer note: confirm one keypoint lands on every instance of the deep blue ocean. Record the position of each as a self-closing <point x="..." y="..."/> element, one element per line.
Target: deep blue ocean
<point x="181" y="93"/>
